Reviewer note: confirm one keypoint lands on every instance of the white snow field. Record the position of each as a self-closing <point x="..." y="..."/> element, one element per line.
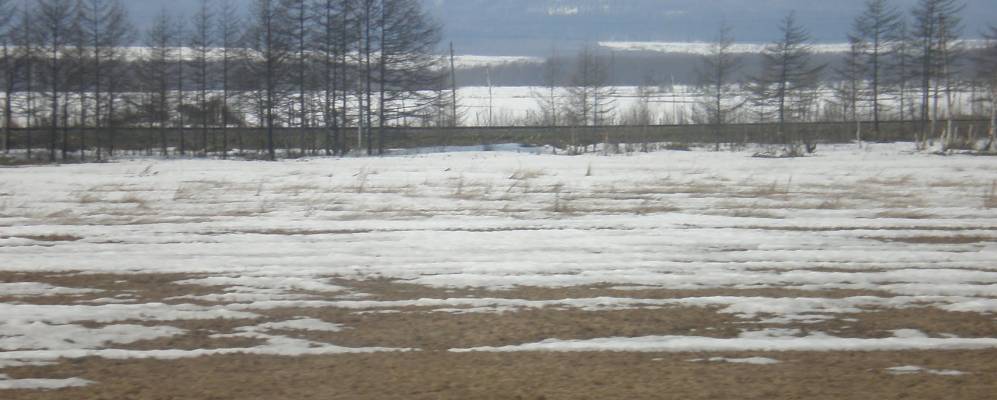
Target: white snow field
<point x="848" y="234"/>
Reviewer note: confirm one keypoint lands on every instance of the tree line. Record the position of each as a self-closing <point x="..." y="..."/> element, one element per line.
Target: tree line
<point x="906" y="66"/>
<point x="335" y="66"/>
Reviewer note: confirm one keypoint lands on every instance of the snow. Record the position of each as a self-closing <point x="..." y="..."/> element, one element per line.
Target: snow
<point x="253" y="237"/>
<point x="913" y="369"/>
<point x="39" y="335"/>
<point x="814" y="342"/>
<point x="748" y="360"/>
<point x="478" y="61"/>
<point x="25" y="289"/>
<point x="108" y="313"/>
<point x="44" y="384"/>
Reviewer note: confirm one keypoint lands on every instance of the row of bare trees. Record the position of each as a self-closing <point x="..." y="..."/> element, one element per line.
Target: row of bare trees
<point x="902" y="66"/>
<point x="910" y="64"/>
<point x="332" y="66"/>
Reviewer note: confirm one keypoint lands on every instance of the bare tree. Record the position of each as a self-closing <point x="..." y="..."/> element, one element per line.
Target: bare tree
<point x="902" y="69"/>
<point x="936" y="28"/>
<point x="591" y="96"/>
<point x="297" y="20"/>
<point x="406" y="62"/>
<point x="851" y="89"/>
<point x="8" y="66"/>
<point x="55" y="25"/>
<point x="877" y="25"/>
<point x="201" y="43"/>
<point x="349" y="37"/>
<point x="180" y="31"/>
<point x="79" y="71"/>
<point x="106" y="30"/>
<point x="986" y="71"/>
<point x="788" y="77"/>
<point x="454" y="118"/>
<point x="365" y="15"/>
<point x="271" y="49"/>
<point x="721" y="93"/>
<point x="549" y="98"/>
<point x="157" y="73"/>
<point x="26" y="39"/>
<point x="229" y="33"/>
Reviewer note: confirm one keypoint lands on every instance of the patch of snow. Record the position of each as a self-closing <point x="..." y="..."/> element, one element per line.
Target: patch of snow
<point x="904" y="370"/>
<point x="909" y="333"/>
<point x="913" y="369"/>
<point x="813" y="342"/>
<point x="7" y="363"/>
<point x="246" y="283"/>
<point x="17" y="335"/>
<point x="42" y="384"/>
<point x="19" y="314"/>
<point x="748" y="360"/>
<point x="25" y="289"/>
<point x="475" y="61"/>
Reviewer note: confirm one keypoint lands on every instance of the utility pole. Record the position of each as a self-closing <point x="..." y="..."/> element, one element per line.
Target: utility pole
<point x="453" y="89"/>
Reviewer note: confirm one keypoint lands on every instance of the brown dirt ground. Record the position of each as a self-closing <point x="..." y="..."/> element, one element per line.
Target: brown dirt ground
<point x="442" y="375"/>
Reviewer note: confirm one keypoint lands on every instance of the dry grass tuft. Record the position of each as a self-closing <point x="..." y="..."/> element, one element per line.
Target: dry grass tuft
<point x="990" y="198"/>
<point x="834" y="203"/>
<point x="525" y="174"/>
<point x="775" y="189"/>
<point x="889" y="181"/>
<point x="184" y="192"/>
<point x="733" y="209"/>
<point x="298" y="188"/>
<point x="361" y="184"/>
<point x="65" y="216"/>
<point x="655" y="207"/>
<point x="56" y="237"/>
<point x="958" y="239"/>
<point x="904" y="214"/>
<point x="947" y="183"/>
<point x="132" y="198"/>
<point x="560" y="202"/>
<point x="89" y="198"/>
<point x="752" y="213"/>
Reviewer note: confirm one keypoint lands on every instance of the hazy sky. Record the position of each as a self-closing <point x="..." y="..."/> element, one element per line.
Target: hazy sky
<point x="527" y="26"/>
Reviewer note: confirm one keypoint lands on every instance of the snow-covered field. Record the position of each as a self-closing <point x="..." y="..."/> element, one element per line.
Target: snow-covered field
<point x="875" y="249"/>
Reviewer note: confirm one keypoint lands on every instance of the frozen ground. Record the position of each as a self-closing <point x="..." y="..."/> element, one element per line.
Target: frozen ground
<point x="452" y="256"/>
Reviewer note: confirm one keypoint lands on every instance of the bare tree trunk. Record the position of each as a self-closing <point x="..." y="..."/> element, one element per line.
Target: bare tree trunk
<point x="180" y="100"/>
<point x="992" y="145"/>
<point x="453" y="90"/>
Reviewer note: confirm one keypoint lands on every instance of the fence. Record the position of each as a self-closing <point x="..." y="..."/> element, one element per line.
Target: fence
<point x="314" y="140"/>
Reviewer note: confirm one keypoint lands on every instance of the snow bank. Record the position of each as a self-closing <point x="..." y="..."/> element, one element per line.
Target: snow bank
<point x="814" y="342"/>
<point x="748" y="360"/>
<point x="28" y="289"/>
<point x="44" y="384"/>
<point x="913" y="369"/>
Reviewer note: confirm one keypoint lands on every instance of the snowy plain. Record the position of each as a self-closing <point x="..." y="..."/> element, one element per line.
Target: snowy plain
<point x="892" y="228"/>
